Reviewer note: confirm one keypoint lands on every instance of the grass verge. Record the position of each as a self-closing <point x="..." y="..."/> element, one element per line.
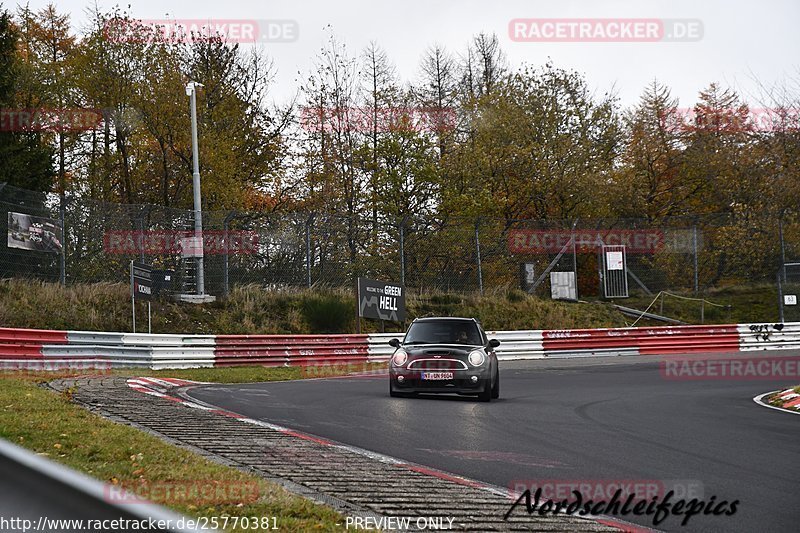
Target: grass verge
<point x="252" y="309"/>
<point x="252" y="374"/>
<point x="735" y="305"/>
<point x="53" y="426"/>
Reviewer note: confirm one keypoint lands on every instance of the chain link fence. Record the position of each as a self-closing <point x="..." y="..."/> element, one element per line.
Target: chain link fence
<point x="435" y="253"/>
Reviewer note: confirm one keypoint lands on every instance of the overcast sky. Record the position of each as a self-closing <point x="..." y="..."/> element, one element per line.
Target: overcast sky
<point x="741" y="41"/>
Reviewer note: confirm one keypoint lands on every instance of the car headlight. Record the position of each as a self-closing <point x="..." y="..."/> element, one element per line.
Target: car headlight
<point x="400" y="357"/>
<point x="477" y="358"/>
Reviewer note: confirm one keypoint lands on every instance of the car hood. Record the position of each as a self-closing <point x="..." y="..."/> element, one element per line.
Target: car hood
<point x="417" y="350"/>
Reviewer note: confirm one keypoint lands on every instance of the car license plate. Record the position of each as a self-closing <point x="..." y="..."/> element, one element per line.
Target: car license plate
<point x="437" y="375"/>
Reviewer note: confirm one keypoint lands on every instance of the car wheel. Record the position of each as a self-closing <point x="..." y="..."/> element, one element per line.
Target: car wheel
<point x="496" y="387"/>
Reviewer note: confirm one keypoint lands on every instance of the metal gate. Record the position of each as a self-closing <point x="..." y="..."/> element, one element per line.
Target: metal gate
<point x="615" y="271"/>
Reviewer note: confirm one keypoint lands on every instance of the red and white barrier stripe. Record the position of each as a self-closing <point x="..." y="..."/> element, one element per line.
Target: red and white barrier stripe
<point x="290" y="350"/>
<point x="53" y="350"/>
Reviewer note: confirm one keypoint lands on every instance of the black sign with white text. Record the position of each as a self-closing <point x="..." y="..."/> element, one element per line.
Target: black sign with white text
<point x="163" y="282"/>
<point x="381" y="300"/>
<point x="142" y="281"/>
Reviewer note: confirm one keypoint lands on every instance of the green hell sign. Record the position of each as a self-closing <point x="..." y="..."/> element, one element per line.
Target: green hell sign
<point x="381" y="300"/>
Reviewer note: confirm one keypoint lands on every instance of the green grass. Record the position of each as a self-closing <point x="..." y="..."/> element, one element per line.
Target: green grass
<point x="251" y="309"/>
<point x="747" y="303"/>
<point x="52" y="426"/>
<point x="515" y="310"/>
<point x="252" y="374"/>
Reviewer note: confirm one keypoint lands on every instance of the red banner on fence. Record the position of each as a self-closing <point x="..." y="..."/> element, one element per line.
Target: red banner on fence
<point x="64" y="120"/>
<point x="170" y="242"/>
<point x="638" y="241"/>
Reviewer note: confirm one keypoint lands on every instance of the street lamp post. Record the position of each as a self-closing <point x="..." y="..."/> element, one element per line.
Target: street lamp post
<point x="191" y="90"/>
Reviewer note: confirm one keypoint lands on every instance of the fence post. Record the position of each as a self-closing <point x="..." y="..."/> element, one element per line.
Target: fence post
<point x="574" y="256"/>
<point x="783" y="246"/>
<point x="225" y="257"/>
<point x="600" y="290"/>
<point x="780" y="299"/>
<point x="225" y="227"/>
<point x="478" y="254"/>
<point x="63" y="258"/>
<point x="402" y="252"/>
<point x="694" y="248"/>
<point x="309" y="221"/>
<point x="141" y="232"/>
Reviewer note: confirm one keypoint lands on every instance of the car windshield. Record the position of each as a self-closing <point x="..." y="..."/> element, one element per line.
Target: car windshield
<point x="444" y="332"/>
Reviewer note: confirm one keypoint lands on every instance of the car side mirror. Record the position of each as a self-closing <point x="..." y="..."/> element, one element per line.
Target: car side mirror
<point x="494" y="343"/>
<point x="394" y="343"/>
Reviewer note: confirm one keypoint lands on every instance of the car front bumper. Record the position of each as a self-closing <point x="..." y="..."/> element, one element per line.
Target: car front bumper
<point x="462" y="382"/>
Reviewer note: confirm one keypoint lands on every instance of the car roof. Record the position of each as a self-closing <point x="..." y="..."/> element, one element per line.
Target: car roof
<point x="444" y="318"/>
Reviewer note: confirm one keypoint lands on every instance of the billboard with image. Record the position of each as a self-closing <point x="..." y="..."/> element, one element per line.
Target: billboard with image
<point x="29" y="232"/>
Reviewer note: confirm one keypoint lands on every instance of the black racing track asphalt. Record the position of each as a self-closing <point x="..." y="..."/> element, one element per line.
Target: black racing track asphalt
<point x="602" y="419"/>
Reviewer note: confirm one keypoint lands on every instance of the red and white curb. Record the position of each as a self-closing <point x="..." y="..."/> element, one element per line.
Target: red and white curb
<point x="790" y="398"/>
<point x="161" y="388"/>
<point x="791" y="406"/>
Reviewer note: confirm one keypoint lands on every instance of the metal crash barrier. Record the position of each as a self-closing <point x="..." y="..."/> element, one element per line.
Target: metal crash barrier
<point x="32" y="349"/>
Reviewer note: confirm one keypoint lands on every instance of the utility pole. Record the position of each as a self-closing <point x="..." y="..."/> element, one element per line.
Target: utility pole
<point x="191" y="91"/>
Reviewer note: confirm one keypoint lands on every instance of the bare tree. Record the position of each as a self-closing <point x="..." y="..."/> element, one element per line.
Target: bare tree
<point x="483" y="66"/>
<point x="379" y="86"/>
<point x="332" y="122"/>
<point x="437" y="92"/>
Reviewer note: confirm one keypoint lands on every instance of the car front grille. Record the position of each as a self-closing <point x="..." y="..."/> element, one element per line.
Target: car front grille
<point x="437" y="364"/>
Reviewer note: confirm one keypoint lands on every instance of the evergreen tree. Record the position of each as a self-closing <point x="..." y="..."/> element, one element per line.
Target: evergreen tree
<point x="25" y="160"/>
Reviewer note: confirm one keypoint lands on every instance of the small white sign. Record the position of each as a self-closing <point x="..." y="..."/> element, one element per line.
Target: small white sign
<point x="614" y="260"/>
<point x="530" y="273"/>
<point x="789" y="299"/>
<point x="192" y="247"/>
<point x="562" y="286"/>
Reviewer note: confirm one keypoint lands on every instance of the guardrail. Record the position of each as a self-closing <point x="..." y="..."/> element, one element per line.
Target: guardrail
<point x="53" y="350"/>
<point x="290" y="350"/>
<point x="769" y="336"/>
<point x="34" y="487"/>
<point x="643" y="341"/>
<point x="28" y="343"/>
